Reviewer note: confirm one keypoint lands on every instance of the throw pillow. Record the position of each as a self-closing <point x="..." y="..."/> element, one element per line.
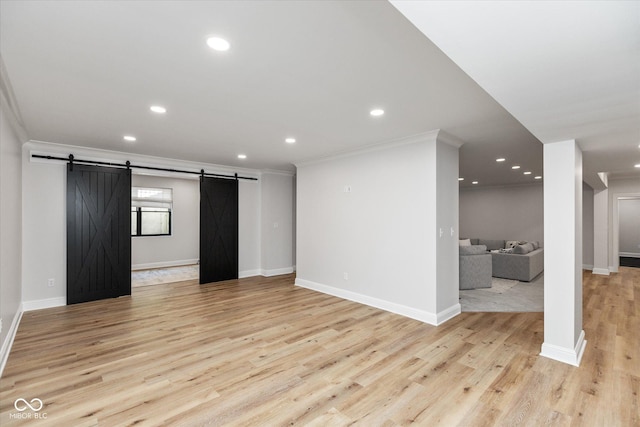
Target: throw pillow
<point x="465" y="242"/>
<point x="523" y="249"/>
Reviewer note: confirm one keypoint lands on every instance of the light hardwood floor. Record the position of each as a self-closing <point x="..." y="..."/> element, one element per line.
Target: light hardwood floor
<point x="263" y="352"/>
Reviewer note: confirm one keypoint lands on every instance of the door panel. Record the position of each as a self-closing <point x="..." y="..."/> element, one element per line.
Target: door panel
<point x="98" y="233"/>
<point x="218" y="229"/>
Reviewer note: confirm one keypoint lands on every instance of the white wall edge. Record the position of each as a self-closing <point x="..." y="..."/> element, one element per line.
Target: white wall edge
<point x="630" y="254"/>
<point x="613" y="269"/>
<point x="421" y="315"/>
<point x="277" y="271"/>
<point x="40" y="304"/>
<point x="570" y="356"/>
<point x="164" y="264"/>
<point x="587" y="267"/>
<point x="448" y="313"/>
<point x="601" y="271"/>
<point x="8" y="342"/>
<point x="249" y="273"/>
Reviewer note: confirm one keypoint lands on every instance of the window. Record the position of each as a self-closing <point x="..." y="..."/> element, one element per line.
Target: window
<point x="151" y="211"/>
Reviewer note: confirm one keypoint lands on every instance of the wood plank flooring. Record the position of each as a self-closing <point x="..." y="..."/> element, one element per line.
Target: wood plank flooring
<point x="262" y="352"/>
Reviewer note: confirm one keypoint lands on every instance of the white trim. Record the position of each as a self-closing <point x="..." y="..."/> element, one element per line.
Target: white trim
<point x="630" y="254"/>
<point x="601" y="271"/>
<point x="277" y="271"/>
<point x="63" y="150"/>
<point x="566" y="355"/>
<point x="276" y="172"/>
<point x="613" y="268"/>
<point x="448" y="313"/>
<point x="8" y="341"/>
<point x="421" y="137"/>
<point x="587" y="267"/>
<point x="249" y="273"/>
<point x="164" y="264"/>
<point x="40" y="304"/>
<point x="403" y="310"/>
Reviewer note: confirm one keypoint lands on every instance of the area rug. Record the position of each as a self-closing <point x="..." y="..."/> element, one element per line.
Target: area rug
<point x="505" y="296"/>
<point x="159" y="276"/>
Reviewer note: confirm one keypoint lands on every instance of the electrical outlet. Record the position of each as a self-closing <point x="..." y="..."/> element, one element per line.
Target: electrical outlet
<point x="346" y="276"/>
<point x="51" y="282"/>
<point x="347" y="189"/>
<point x="0" y="325"/>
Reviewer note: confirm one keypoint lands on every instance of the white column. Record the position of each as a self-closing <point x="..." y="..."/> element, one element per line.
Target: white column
<point x="601" y="232"/>
<point x="563" y="335"/>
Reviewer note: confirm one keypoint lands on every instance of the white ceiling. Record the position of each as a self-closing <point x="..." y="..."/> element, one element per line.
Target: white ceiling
<point x="85" y="73"/>
<point x="564" y="69"/>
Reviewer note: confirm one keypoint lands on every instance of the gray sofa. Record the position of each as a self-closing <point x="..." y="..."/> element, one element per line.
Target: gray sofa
<point x="475" y="267"/>
<point x="525" y="263"/>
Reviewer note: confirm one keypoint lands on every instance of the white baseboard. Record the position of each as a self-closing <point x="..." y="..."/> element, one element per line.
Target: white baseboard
<point x="249" y="273"/>
<point x="277" y="271"/>
<point x="601" y="271"/>
<point x="403" y="310"/>
<point x="448" y="313"/>
<point x="630" y="254"/>
<point x="39" y="304"/>
<point x="587" y="267"/>
<point x="570" y="356"/>
<point x="164" y="264"/>
<point x="8" y="341"/>
<point x="613" y="269"/>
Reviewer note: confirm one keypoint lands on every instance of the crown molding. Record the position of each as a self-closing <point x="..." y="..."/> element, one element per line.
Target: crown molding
<point x="54" y="149"/>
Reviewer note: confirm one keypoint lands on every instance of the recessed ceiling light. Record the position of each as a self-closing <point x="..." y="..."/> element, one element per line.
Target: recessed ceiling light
<point x="460" y="179"/>
<point x="242" y="156"/>
<point x="129" y="138"/>
<point x="376" y="112"/>
<point x="290" y="140"/>
<point x="527" y="173"/>
<point x="537" y="177"/>
<point x="474" y="182"/>
<point x="637" y="166"/>
<point x="501" y="159"/>
<point x="515" y="167"/>
<point x="219" y="44"/>
<point x="158" y="109"/>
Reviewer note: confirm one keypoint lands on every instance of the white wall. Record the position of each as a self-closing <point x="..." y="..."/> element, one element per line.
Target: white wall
<point x="629" y="214"/>
<point x="505" y="213"/>
<point x="367" y="228"/>
<point x="587" y="226"/>
<point x="182" y="246"/>
<point x="10" y="229"/>
<point x="276" y="223"/>
<point x="249" y="228"/>
<point x="44" y="218"/>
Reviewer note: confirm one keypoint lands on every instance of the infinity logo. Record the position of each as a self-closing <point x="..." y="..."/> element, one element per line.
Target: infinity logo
<point x="37" y="404"/>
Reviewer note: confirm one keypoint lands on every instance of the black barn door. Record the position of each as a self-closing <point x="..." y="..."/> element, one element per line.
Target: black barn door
<point x="218" y="229"/>
<point x="98" y="233"/>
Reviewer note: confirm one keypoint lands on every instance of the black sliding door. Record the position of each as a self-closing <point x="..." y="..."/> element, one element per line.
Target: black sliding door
<point x="98" y="233"/>
<point x="218" y="229"/>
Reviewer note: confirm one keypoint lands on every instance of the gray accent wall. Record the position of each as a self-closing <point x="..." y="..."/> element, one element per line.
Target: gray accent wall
<point x="506" y="213"/>
<point x="629" y="217"/>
